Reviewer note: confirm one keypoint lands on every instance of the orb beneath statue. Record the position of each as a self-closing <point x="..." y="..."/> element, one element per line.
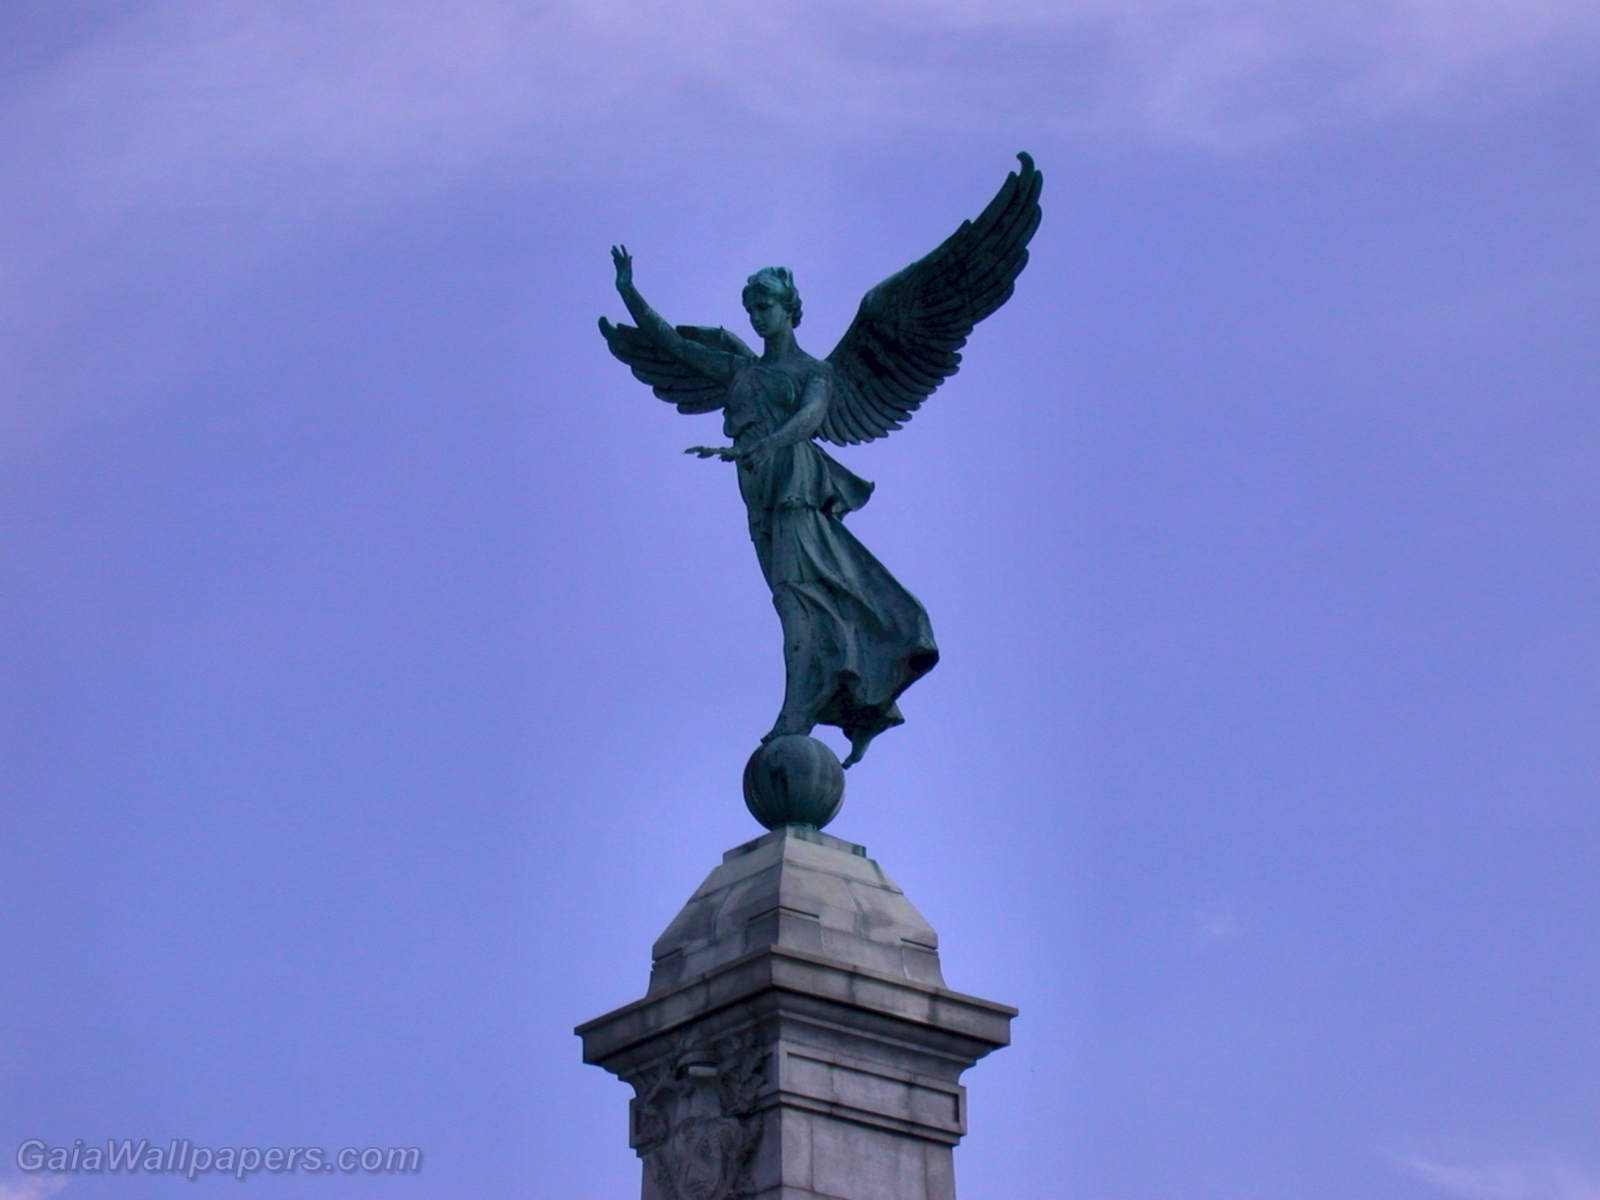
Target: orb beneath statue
<point x="794" y="780"/>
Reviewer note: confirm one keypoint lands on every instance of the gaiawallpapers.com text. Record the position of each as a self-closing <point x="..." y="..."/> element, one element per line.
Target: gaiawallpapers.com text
<point x="182" y="1158"/>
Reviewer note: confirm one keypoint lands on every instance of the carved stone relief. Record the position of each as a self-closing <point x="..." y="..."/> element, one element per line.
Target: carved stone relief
<point x="694" y="1122"/>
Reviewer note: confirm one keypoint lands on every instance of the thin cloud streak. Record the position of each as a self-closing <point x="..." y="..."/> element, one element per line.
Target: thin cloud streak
<point x="1554" y="1179"/>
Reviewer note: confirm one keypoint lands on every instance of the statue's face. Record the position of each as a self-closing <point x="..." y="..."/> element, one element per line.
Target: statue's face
<point x="767" y="313"/>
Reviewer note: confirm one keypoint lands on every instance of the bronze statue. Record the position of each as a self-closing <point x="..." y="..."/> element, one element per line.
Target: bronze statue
<point x="853" y="638"/>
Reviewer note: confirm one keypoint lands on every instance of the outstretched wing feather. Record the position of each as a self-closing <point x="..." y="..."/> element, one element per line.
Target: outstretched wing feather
<point x="883" y="410"/>
<point x="668" y="378"/>
<point x="905" y="339"/>
<point x="860" y="425"/>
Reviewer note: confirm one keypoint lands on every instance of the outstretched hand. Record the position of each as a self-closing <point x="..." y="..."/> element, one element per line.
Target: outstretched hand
<point x="624" y="264"/>
<point x="725" y="453"/>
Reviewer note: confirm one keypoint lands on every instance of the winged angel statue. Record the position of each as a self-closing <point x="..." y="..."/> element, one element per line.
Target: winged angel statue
<point x="853" y="638"/>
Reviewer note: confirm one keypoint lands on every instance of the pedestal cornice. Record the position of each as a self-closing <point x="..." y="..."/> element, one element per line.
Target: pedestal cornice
<point x="883" y="1000"/>
<point x="797" y="1041"/>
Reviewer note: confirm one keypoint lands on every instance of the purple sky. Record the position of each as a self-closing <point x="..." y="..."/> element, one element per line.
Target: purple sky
<point x="376" y="672"/>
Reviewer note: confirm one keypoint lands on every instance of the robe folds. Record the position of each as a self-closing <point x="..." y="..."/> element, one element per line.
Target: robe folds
<point x="853" y="637"/>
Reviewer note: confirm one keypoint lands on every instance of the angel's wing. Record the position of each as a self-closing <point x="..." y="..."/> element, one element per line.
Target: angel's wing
<point x="667" y="377"/>
<point x="902" y="344"/>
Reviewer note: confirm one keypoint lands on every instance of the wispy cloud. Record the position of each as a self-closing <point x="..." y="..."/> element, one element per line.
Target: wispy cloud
<point x="1549" y="1179"/>
<point x="193" y="97"/>
<point x="1220" y="69"/>
<point x="438" y="85"/>
<point x="203" y="128"/>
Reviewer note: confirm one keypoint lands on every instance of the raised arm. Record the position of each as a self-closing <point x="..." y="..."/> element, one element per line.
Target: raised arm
<point x="713" y="364"/>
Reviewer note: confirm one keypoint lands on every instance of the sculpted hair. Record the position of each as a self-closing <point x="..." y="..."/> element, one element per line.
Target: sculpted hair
<point x="779" y="283"/>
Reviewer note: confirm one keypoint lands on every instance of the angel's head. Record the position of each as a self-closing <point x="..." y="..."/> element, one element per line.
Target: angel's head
<point x="772" y="300"/>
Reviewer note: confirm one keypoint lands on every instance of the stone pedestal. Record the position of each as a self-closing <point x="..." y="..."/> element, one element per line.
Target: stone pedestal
<point x="797" y="1041"/>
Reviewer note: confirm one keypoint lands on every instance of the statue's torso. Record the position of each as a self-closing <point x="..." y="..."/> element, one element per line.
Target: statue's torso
<point x="761" y="397"/>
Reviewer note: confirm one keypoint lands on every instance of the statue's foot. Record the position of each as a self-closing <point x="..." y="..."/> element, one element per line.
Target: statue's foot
<point x="787" y="727"/>
<point x="858" y="749"/>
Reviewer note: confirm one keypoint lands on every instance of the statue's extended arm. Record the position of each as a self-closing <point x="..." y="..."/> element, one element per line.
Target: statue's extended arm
<point x="713" y="364"/>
